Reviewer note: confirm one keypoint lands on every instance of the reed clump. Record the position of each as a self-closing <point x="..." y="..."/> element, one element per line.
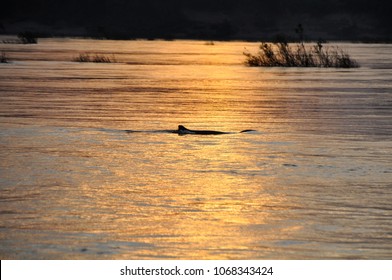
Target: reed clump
<point x="3" y="58"/>
<point x="281" y="54"/>
<point x="95" y="58"/>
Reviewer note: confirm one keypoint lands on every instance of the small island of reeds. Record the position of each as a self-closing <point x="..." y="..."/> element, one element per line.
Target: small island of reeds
<point x="96" y="58"/>
<point x="282" y="54"/>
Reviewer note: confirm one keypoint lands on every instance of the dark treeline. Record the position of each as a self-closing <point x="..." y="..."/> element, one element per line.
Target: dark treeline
<point x="201" y="19"/>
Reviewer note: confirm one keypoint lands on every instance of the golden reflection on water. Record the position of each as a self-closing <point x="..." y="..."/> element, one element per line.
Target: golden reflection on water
<point x="177" y="192"/>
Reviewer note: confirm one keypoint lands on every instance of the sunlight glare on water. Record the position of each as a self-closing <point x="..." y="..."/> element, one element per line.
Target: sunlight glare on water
<point x="312" y="182"/>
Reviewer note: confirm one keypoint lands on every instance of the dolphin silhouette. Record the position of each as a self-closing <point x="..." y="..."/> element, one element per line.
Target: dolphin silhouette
<point x="182" y="130"/>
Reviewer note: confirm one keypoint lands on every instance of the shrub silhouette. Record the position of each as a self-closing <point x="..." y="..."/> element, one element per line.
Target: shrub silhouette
<point x="281" y="54"/>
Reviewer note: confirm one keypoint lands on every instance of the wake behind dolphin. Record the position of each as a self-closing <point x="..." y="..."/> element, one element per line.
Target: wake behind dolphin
<point x="182" y="130"/>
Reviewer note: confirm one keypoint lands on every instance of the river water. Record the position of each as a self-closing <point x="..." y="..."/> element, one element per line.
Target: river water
<point x="314" y="181"/>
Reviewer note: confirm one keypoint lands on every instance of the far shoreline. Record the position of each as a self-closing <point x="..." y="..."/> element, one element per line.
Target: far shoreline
<point x="13" y="37"/>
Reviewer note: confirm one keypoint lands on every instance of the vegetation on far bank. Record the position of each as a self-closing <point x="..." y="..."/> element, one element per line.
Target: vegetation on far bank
<point x="23" y="38"/>
<point x="96" y="58"/>
<point x="337" y="20"/>
<point x="27" y="37"/>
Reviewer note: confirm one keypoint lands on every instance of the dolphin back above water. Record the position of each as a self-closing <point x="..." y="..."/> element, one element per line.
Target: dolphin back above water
<point x="182" y="130"/>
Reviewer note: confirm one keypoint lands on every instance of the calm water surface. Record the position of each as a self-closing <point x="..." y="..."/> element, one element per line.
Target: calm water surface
<point x="314" y="181"/>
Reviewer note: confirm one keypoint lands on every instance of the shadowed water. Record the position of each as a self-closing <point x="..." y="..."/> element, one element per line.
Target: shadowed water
<point x="314" y="181"/>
